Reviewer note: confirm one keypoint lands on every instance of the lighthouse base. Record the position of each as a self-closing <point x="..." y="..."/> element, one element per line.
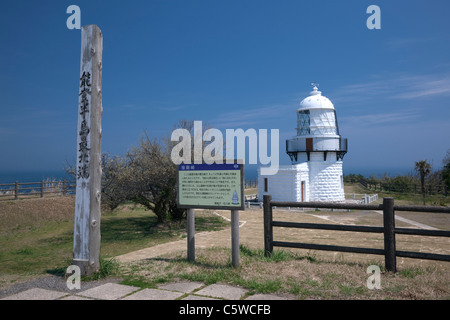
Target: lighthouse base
<point x="304" y="182"/>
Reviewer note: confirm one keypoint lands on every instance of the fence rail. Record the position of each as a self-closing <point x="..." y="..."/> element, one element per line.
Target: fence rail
<point x="413" y="188"/>
<point x="41" y="188"/>
<point x="388" y="229"/>
<point x="252" y="183"/>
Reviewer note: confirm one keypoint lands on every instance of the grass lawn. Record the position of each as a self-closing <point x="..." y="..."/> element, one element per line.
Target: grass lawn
<point x="36" y="235"/>
<point x="289" y="274"/>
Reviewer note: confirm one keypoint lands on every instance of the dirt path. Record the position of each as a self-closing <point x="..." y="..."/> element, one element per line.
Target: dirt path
<point x="203" y="240"/>
<point x="251" y="235"/>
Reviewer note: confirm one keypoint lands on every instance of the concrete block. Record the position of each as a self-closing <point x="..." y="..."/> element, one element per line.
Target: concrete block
<point x="73" y="297"/>
<point x="108" y="291"/>
<point x="185" y="287"/>
<point x="265" y="297"/>
<point x="36" y="294"/>
<point x="194" y="297"/>
<point x="222" y="291"/>
<point x="154" y="294"/>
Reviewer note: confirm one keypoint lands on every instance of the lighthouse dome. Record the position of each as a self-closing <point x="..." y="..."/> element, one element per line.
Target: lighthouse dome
<point x="316" y="100"/>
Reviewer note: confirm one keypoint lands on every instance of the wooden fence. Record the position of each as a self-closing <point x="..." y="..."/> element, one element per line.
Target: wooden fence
<point x="253" y="183"/>
<point x="412" y="188"/>
<point x="388" y="229"/>
<point x="62" y="187"/>
<point x="40" y="188"/>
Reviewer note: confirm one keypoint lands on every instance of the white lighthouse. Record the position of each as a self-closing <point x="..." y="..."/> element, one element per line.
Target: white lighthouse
<point x="316" y="154"/>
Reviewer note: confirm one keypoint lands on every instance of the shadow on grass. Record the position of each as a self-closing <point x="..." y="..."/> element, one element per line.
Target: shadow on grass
<point x="108" y="267"/>
<point x="245" y="252"/>
<point x="128" y="229"/>
<point x="139" y="228"/>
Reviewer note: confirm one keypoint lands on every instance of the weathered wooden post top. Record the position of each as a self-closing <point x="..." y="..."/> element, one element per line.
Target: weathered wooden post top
<point x="86" y="241"/>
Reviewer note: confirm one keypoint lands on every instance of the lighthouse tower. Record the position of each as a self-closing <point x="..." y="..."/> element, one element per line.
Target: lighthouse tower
<point x="316" y="154"/>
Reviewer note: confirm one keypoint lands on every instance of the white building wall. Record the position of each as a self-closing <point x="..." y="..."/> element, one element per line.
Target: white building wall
<point x="322" y="181"/>
<point x="326" y="143"/>
<point x="325" y="178"/>
<point x="285" y="185"/>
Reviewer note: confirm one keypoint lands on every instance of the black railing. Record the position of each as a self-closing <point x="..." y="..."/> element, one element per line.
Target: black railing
<point x="388" y="229"/>
<point x="293" y="146"/>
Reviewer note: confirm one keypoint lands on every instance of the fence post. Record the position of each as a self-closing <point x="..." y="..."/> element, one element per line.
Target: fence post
<point x="268" y="229"/>
<point x="42" y="188"/>
<point x="389" y="234"/>
<point x="191" y="234"/>
<point x="235" y="254"/>
<point x="16" y="191"/>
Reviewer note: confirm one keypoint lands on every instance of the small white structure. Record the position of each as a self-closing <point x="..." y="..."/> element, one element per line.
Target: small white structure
<point x="316" y="154"/>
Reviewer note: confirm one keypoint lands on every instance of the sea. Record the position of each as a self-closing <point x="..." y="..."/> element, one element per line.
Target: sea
<point x="33" y="176"/>
<point x="250" y="171"/>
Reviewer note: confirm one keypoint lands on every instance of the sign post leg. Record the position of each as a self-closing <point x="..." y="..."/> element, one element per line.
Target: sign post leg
<point x="191" y="235"/>
<point x="235" y="254"/>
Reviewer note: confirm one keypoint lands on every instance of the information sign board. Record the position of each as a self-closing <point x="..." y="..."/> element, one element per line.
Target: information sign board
<point x="211" y="186"/>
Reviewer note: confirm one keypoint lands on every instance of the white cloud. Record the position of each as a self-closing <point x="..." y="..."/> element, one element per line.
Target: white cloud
<point x="253" y="116"/>
<point x="380" y="118"/>
<point x="401" y="43"/>
<point x="402" y="87"/>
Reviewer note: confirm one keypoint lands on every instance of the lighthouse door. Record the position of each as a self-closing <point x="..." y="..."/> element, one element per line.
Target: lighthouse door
<point x="309" y="144"/>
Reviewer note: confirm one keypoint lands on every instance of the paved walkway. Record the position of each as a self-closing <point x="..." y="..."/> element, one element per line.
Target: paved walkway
<point x="171" y="291"/>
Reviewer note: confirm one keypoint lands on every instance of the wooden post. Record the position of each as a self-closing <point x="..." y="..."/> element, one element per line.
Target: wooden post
<point x="86" y="244"/>
<point x="268" y="229"/>
<point x="16" y="191"/>
<point x="190" y="234"/>
<point x="235" y="254"/>
<point x="42" y="188"/>
<point x="389" y="234"/>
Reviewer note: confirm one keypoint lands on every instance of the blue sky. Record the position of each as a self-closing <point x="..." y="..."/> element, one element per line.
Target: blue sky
<point x="232" y="64"/>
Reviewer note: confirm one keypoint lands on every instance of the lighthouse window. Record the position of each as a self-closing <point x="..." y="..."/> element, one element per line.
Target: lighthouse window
<point x="336" y="123"/>
<point x="303" y="122"/>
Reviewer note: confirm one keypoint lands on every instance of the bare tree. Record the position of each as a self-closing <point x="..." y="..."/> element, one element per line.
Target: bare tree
<point x="146" y="175"/>
<point x="154" y="178"/>
<point x="116" y="179"/>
